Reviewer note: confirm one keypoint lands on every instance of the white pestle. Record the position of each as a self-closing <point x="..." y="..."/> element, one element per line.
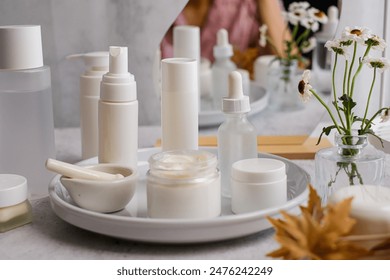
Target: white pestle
<point x="79" y="172"/>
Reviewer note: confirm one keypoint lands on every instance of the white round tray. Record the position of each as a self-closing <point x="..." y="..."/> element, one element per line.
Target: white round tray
<point x="259" y="101"/>
<point x="132" y="223"/>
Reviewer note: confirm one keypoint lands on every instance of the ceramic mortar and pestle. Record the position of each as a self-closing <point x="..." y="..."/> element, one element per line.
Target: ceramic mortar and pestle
<point x="101" y="188"/>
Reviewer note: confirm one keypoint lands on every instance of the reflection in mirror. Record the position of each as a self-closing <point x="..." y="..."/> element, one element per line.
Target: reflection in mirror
<point x="241" y="19"/>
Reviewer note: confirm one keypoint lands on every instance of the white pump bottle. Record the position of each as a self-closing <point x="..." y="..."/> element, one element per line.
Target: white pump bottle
<point x="118" y="112"/>
<point x="237" y="138"/>
<point x="221" y="67"/>
<point x="96" y="66"/>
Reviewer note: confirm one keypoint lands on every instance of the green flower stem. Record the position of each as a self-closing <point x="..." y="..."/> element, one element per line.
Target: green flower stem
<point x="345" y="76"/>
<point x="334" y="90"/>
<point x="350" y="68"/>
<point x="272" y="44"/>
<point x="327" y="109"/>
<point x="368" y="99"/>
<point x="373" y="118"/>
<point x="359" y="69"/>
<point x="304" y="35"/>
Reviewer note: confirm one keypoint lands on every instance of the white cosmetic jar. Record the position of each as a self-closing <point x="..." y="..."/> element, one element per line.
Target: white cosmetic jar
<point x="183" y="184"/>
<point x="257" y="184"/>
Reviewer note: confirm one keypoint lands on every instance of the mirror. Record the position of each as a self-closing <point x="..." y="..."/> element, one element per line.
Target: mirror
<point x="242" y="19"/>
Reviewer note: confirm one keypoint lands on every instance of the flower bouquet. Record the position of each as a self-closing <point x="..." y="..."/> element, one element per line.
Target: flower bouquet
<point x="351" y="130"/>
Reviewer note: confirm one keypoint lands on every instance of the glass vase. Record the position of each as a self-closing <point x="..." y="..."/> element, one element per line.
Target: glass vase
<point x="351" y="162"/>
<point x="282" y="86"/>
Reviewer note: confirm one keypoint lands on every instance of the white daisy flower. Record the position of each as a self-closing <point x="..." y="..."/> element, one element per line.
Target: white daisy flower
<point x="310" y="23"/>
<point x="303" y="5"/>
<point x="317" y="15"/>
<point x="357" y="34"/>
<point x="263" y="35"/>
<point x="309" y="45"/>
<point x="380" y="63"/>
<point x="377" y="43"/>
<point x="385" y="115"/>
<point x="337" y="47"/>
<point x="304" y="87"/>
<point x="296" y="16"/>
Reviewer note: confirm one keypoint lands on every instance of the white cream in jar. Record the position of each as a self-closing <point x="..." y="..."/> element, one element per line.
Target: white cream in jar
<point x="183" y="184"/>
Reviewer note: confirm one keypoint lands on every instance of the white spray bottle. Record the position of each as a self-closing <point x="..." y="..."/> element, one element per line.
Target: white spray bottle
<point x="118" y="112"/>
<point x="237" y="138"/>
<point x="96" y="66"/>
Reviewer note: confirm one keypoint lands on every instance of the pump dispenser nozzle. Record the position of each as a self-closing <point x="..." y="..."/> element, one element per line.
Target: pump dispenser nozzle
<point x="330" y="27"/>
<point x="118" y="60"/>
<point x="94" y="61"/>
<point x="236" y="101"/>
<point x="223" y="48"/>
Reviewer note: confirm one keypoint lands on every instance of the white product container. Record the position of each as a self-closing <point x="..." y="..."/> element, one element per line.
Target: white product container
<point x="179" y="104"/>
<point x="237" y="137"/>
<point x="15" y="209"/>
<point x="183" y="185"/>
<point x="96" y="66"/>
<point x="257" y="184"/>
<point x="321" y="56"/>
<point x="118" y="112"/>
<point x="221" y="67"/>
<point x="26" y="109"/>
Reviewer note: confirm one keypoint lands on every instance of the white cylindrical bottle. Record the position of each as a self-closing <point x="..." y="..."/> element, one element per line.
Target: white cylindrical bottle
<point x="118" y="112"/>
<point x="321" y="57"/>
<point x="237" y="138"/>
<point x="97" y="65"/>
<point x="221" y="67"/>
<point x="179" y="104"/>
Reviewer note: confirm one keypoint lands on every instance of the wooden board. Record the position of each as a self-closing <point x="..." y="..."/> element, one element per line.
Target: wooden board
<point x="291" y="147"/>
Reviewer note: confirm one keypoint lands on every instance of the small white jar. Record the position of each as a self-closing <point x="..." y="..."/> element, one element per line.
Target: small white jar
<point x="15" y="209"/>
<point x="183" y="184"/>
<point x="257" y="184"/>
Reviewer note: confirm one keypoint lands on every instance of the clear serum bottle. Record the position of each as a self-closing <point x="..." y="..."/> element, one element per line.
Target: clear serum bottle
<point x="237" y="137"/>
<point x="118" y="112"/>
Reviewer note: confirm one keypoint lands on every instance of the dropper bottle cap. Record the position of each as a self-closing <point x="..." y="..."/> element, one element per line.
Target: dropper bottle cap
<point x="236" y="102"/>
<point x="118" y="85"/>
<point x="330" y="27"/>
<point x="223" y="48"/>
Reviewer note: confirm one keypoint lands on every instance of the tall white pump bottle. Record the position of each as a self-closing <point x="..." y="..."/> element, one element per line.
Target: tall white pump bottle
<point x="237" y="138"/>
<point x="96" y="66"/>
<point x="118" y="112"/>
<point x="222" y="66"/>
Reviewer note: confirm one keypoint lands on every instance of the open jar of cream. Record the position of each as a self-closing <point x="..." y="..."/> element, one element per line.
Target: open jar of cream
<point x="183" y="184"/>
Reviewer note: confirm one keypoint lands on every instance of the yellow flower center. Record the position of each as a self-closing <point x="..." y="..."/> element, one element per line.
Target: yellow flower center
<point x="357" y="32"/>
<point x="319" y="14"/>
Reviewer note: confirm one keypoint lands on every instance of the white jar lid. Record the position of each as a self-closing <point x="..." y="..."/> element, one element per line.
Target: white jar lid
<point x="13" y="189"/>
<point x="258" y="170"/>
<point x="20" y="47"/>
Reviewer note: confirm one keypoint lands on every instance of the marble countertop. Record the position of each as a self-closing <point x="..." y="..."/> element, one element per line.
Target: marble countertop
<point x="49" y="237"/>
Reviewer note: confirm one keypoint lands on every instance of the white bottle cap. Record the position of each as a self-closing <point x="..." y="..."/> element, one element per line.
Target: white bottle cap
<point x="118" y="85"/>
<point x="20" y="47"/>
<point x="186" y="42"/>
<point x="236" y="102"/>
<point x="13" y="189"/>
<point x="93" y="60"/>
<point x="222" y="48"/>
<point x="258" y="170"/>
<point x="330" y="27"/>
<point x="179" y="75"/>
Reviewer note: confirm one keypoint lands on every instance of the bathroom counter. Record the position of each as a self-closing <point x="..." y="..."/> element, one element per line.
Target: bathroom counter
<point x="49" y="237"/>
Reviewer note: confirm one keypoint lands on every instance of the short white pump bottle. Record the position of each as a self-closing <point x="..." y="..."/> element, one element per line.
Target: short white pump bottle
<point x="118" y="112"/>
<point x="237" y="138"/>
<point x="96" y="64"/>
<point x="222" y="66"/>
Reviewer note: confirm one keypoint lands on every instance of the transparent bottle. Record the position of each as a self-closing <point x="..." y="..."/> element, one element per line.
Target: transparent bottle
<point x="26" y="110"/>
<point x="221" y="68"/>
<point x="351" y="162"/>
<point x="237" y="138"/>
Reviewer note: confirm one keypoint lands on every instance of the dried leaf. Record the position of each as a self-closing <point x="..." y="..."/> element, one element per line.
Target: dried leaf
<point x="317" y="233"/>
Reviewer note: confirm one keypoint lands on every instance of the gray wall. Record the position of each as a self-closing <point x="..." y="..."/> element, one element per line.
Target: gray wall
<point x="77" y="26"/>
